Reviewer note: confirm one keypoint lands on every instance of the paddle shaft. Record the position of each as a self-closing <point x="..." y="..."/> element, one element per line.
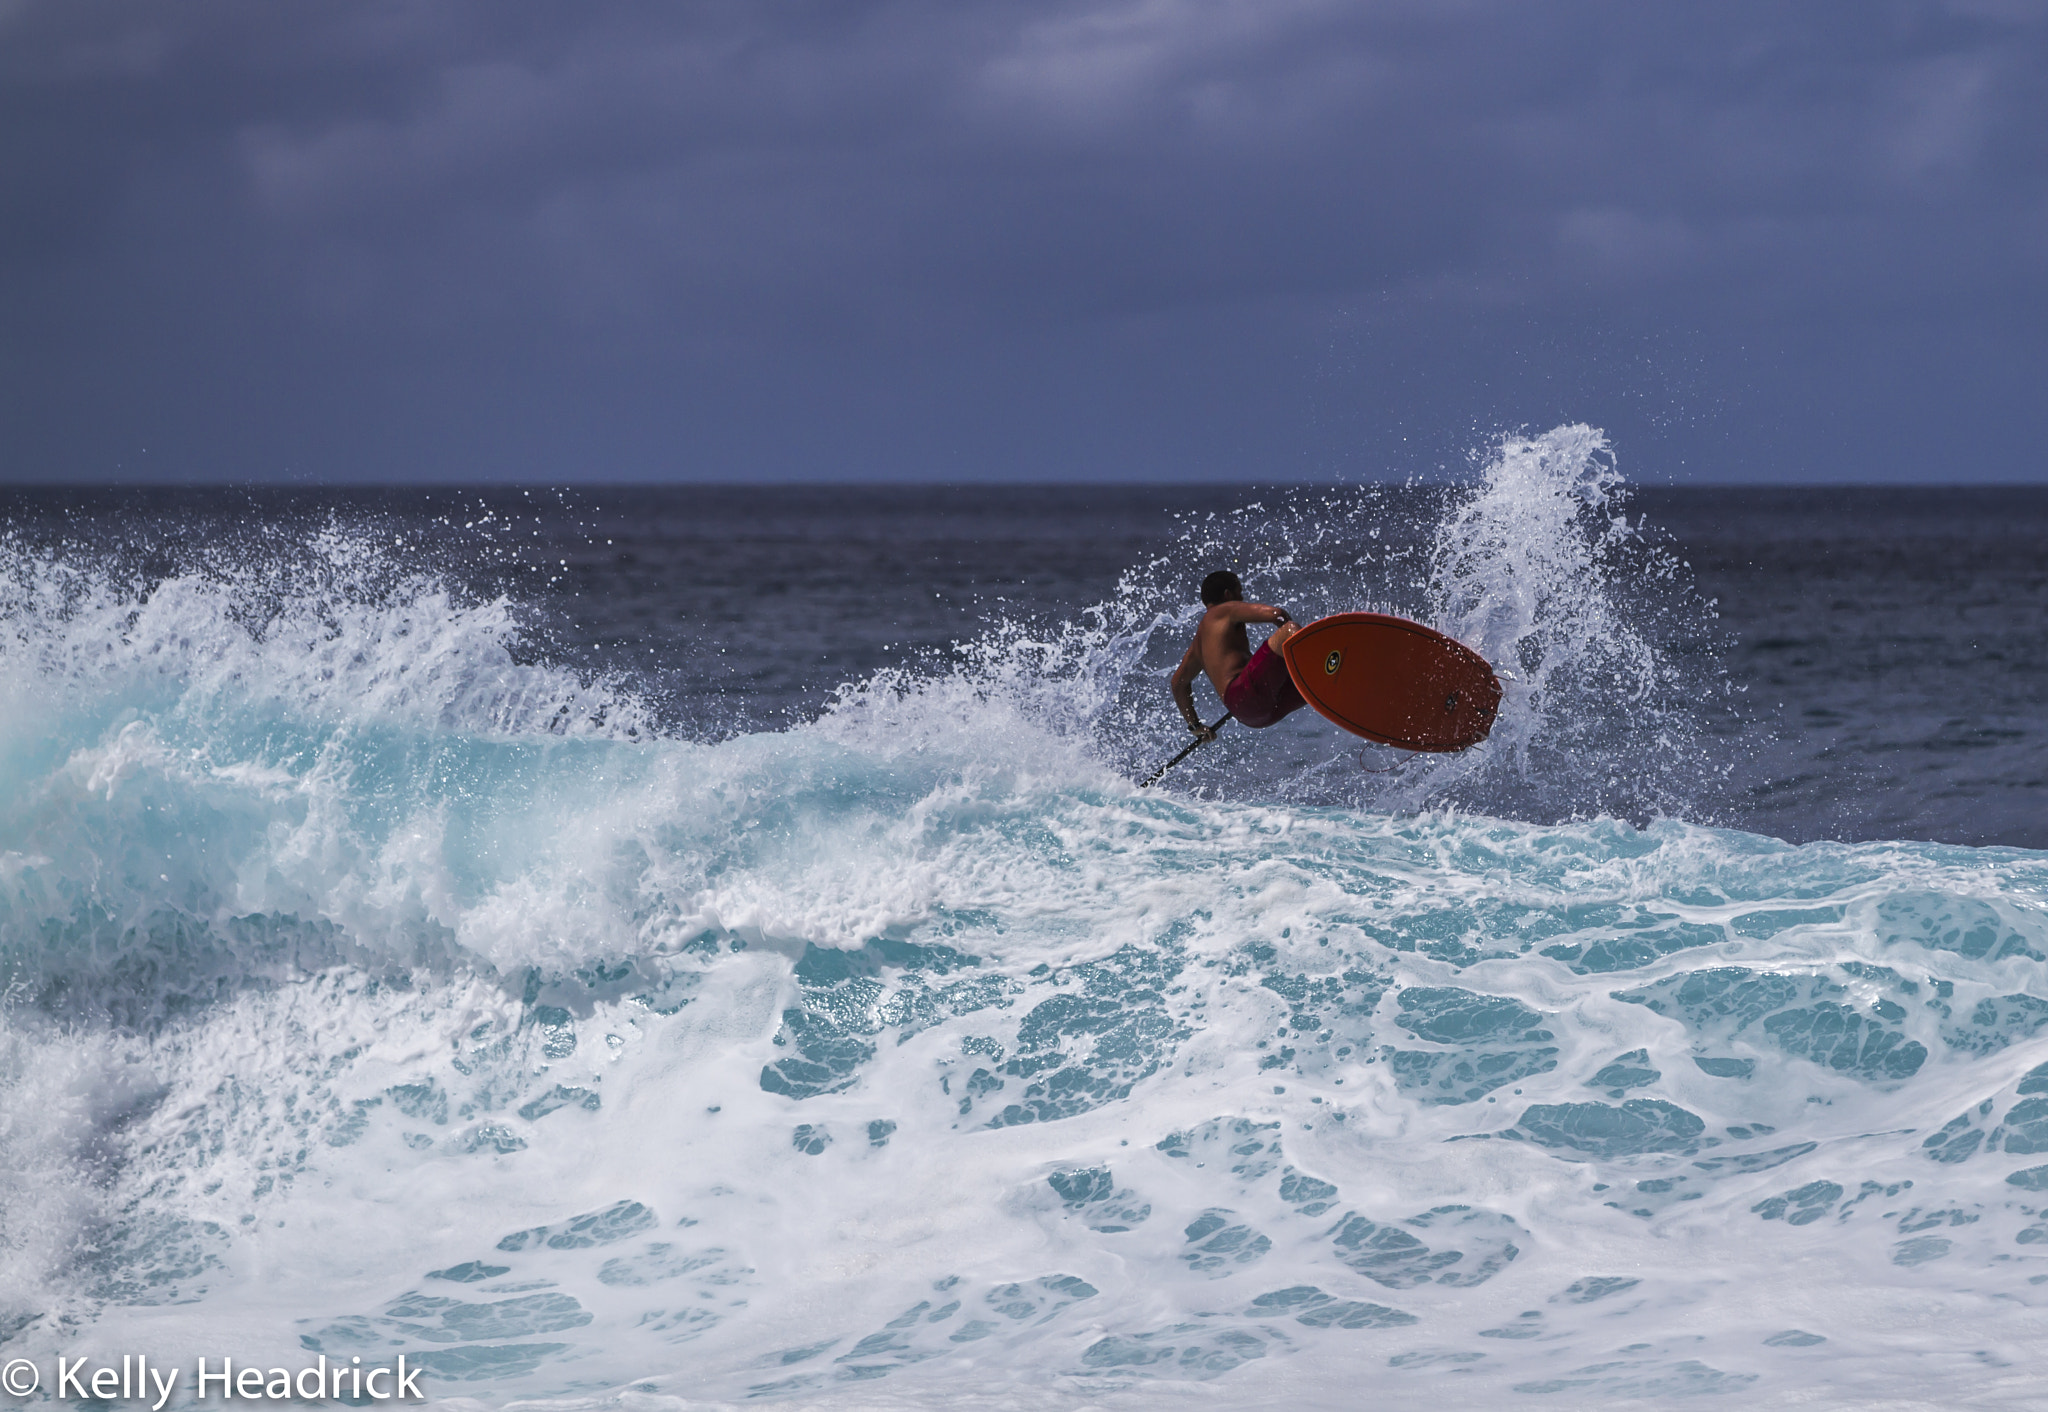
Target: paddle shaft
<point x="1197" y="744"/>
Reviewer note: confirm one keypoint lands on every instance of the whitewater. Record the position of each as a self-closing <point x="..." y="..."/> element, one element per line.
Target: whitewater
<point x="376" y="984"/>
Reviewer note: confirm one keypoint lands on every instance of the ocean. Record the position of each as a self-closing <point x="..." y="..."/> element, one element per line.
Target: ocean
<point x="659" y="948"/>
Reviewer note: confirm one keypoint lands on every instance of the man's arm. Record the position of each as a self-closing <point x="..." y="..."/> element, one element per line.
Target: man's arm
<point x="1184" y="690"/>
<point x="1242" y="612"/>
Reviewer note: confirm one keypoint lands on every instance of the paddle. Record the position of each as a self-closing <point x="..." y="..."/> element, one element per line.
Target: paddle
<point x="1198" y="743"/>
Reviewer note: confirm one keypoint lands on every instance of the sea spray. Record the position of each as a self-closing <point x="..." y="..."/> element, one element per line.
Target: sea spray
<point x="1604" y="647"/>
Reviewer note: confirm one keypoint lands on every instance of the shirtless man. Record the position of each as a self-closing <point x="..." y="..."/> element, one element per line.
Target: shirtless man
<point x="1254" y="685"/>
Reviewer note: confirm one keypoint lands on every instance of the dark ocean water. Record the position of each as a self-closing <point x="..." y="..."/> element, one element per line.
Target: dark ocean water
<point x="1887" y="648"/>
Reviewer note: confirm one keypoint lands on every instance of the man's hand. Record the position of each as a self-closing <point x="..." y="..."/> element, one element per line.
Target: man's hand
<point x="1203" y="733"/>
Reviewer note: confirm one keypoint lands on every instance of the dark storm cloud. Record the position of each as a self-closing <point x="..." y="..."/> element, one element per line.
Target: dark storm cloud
<point x="1163" y="237"/>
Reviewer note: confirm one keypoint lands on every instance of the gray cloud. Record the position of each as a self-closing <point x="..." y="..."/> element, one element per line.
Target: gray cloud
<point x="1150" y="237"/>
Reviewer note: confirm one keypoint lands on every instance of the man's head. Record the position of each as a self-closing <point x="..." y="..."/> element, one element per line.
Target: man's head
<point x="1222" y="587"/>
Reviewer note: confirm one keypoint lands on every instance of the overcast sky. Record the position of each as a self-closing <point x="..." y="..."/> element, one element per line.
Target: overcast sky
<point x="1246" y="240"/>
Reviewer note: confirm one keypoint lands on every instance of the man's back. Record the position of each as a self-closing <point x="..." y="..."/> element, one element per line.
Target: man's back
<point x="1222" y="643"/>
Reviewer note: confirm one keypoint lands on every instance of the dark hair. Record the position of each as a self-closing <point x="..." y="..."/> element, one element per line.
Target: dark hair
<point x="1222" y="587"/>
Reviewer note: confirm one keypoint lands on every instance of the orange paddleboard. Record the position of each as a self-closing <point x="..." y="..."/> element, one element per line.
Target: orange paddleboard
<point x="1394" y="681"/>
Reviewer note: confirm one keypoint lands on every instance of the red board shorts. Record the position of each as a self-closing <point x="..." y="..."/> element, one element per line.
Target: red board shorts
<point x="1264" y="691"/>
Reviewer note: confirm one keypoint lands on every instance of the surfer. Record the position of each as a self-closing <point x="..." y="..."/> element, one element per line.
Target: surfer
<point x="1255" y="686"/>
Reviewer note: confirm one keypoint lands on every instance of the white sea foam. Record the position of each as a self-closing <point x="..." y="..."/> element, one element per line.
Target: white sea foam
<point x="914" y="1057"/>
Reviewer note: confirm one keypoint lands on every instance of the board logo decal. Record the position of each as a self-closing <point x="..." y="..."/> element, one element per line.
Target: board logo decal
<point x="1331" y="663"/>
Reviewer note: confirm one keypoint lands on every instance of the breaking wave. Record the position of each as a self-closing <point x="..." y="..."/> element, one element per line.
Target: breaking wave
<point x="373" y="984"/>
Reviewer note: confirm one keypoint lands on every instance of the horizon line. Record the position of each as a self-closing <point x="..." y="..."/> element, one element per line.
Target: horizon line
<point x="1419" y="482"/>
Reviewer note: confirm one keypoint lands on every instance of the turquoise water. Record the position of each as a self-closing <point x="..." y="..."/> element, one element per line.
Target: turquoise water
<point x="372" y="987"/>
